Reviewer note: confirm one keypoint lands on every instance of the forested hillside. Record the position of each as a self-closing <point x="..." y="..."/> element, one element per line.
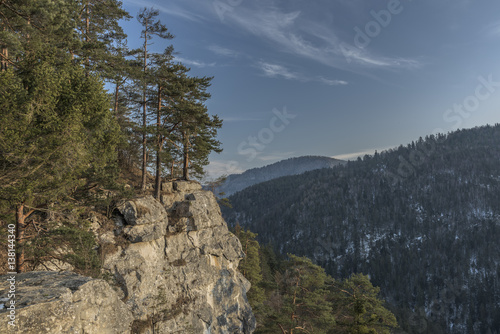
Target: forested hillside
<point x="293" y="295"/>
<point x="423" y="220"/>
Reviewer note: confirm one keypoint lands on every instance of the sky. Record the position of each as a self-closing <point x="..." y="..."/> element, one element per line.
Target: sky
<point x="337" y="78"/>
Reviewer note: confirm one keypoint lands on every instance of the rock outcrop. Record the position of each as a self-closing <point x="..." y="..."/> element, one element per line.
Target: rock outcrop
<point x="173" y="265"/>
<point x="63" y="302"/>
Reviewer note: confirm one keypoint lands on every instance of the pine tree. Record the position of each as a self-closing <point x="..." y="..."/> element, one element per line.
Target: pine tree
<point x="358" y="309"/>
<point x="250" y="265"/>
<point x="165" y="76"/>
<point x="304" y="307"/>
<point x="151" y="27"/>
<point x="97" y="24"/>
<point x="197" y="129"/>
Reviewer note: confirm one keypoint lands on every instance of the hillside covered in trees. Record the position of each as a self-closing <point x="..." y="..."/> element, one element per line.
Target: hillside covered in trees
<point x="422" y="220"/>
<point x="293" y="295"/>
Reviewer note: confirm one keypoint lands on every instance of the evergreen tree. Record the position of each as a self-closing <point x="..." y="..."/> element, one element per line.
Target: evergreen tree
<point x="250" y="266"/>
<point x="197" y="129"/>
<point x="97" y="24"/>
<point x="357" y="308"/>
<point x="151" y="27"/>
<point x="304" y="307"/>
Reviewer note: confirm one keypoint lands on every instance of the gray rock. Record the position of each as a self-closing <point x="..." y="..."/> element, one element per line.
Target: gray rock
<point x="187" y="280"/>
<point x="167" y="187"/>
<point x="141" y="220"/>
<point x="145" y="210"/>
<point x="186" y="186"/>
<point x="148" y="232"/>
<point x="52" y="302"/>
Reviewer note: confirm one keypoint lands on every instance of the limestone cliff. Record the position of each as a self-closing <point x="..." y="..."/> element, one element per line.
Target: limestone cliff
<point x="173" y="267"/>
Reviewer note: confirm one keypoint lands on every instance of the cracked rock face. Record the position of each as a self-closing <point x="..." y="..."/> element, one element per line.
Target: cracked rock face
<point x="63" y="302"/>
<point x="179" y="272"/>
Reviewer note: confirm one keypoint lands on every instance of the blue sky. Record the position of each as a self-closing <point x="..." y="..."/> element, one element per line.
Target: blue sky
<point x="337" y="78"/>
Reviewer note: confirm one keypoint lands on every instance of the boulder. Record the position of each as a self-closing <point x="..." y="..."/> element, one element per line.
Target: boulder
<point x="139" y="211"/>
<point x="141" y="219"/>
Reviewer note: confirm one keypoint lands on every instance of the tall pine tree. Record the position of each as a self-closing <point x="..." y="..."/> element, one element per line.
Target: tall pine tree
<point x="151" y="27"/>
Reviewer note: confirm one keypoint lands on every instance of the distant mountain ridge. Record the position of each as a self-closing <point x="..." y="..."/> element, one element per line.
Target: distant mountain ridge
<point x="291" y="166"/>
<point x="423" y="220"/>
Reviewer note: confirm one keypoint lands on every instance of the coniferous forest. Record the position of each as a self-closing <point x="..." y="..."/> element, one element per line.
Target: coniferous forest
<point x="422" y="220"/>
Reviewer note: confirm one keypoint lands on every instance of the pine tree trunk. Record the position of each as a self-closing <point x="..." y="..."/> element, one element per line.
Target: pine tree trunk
<point x="87" y="32"/>
<point x="5" y="54"/>
<point x="144" y="116"/>
<point x="185" y="168"/>
<point x="144" y="157"/>
<point x="158" y="149"/>
<point x="185" y="165"/>
<point x="115" y="109"/>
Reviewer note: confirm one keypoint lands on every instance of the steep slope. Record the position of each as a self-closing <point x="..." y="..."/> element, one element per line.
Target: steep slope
<point x="422" y="220"/>
<point x="292" y="166"/>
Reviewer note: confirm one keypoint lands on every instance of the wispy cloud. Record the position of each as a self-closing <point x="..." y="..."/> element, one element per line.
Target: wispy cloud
<point x="276" y="71"/>
<point x="330" y="82"/>
<point x="222" y="51"/>
<point x="294" y="32"/>
<point x="303" y="37"/>
<point x="280" y="71"/>
<point x="196" y="63"/>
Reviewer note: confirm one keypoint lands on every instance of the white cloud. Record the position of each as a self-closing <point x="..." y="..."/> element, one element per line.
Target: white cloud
<point x="280" y="71"/>
<point x="291" y="32"/>
<point x="274" y="71"/>
<point x="222" y="51"/>
<point x="196" y="63"/>
<point x="303" y="37"/>
<point x="332" y="82"/>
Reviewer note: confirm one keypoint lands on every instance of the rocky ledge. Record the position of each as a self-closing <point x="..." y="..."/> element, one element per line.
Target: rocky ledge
<point x="172" y="267"/>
